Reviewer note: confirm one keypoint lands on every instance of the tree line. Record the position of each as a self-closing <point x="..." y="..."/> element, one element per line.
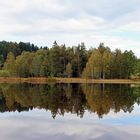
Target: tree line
<point x="27" y="60"/>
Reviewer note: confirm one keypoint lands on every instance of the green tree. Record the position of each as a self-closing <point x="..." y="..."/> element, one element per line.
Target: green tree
<point x="99" y="63"/>
<point x="69" y="70"/>
<point x="136" y="71"/>
<point x="36" y="65"/>
<point x="10" y="63"/>
<point x="1" y="61"/>
<point x="36" y="68"/>
<point x="79" y="60"/>
<point x="23" y="64"/>
<point x="117" y="64"/>
<point x="57" y="59"/>
<point x="44" y="69"/>
<point x="105" y="59"/>
<point x="129" y="62"/>
<point x="92" y="69"/>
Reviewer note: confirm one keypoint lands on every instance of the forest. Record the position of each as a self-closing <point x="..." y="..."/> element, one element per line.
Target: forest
<point x="27" y="60"/>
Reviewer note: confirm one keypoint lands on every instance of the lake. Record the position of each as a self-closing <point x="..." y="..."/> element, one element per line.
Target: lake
<point x="69" y="112"/>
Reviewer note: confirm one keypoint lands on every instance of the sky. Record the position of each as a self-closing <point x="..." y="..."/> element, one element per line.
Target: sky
<point x="114" y="22"/>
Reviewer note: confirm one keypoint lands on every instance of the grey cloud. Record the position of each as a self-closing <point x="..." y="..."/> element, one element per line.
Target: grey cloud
<point x="103" y="8"/>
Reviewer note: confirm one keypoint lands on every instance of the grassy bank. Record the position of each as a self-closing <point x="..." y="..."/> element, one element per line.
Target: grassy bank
<point x="43" y="80"/>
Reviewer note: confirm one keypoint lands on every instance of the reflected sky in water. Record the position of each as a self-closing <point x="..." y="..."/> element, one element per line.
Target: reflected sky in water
<point x="37" y="123"/>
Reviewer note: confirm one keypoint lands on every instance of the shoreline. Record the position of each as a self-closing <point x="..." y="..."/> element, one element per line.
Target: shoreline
<point x="44" y="80"/>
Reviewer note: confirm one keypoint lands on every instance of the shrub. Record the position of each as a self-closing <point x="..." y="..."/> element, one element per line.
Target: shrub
<point x="4" y="73"/>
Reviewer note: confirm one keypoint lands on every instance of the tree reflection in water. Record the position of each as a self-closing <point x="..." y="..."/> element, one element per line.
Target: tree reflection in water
<point x="73" y="98"/>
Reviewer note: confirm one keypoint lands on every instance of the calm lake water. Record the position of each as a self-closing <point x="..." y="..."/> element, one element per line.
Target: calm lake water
<point x="69" y="112"/>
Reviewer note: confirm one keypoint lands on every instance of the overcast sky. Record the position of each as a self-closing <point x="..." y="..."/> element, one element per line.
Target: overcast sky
<point x="114" y="22"/>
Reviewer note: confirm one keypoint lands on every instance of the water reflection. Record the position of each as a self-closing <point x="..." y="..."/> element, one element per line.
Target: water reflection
<point x="72" y="98"/>
<point x="37" y="129"/>
<point x="103" y="98"/>
<point x="43" y="128"/>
